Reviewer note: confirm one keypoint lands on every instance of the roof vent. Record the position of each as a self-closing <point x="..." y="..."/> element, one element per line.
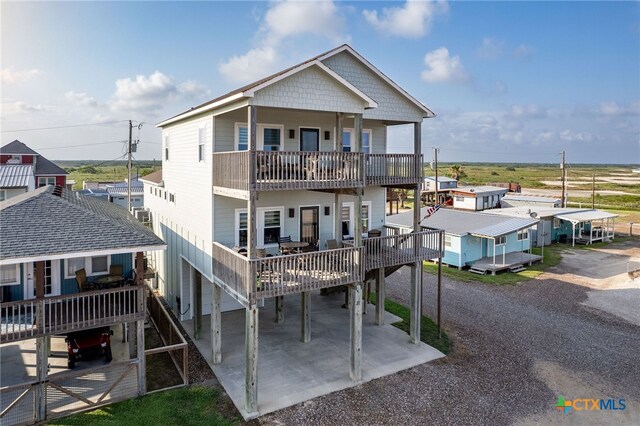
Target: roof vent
<point x="57" y="190"/>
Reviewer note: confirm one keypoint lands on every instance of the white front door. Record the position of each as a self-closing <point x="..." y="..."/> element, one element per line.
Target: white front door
<point x="51" y="279"/>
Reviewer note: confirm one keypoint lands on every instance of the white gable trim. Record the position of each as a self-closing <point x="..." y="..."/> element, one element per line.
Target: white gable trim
<point x="200" y="110"/>
<point x="429" y="113"/>
<point x="370" y="102"/>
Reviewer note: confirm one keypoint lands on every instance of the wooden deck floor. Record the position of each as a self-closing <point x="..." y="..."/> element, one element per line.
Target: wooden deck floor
<point x="511" y="260"/>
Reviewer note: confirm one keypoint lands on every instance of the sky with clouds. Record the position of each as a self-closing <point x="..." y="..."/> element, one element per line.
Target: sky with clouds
<point x="509" y="81"/>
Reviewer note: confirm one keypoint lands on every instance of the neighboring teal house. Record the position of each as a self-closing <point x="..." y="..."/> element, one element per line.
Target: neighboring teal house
<point x="474" y="238"/>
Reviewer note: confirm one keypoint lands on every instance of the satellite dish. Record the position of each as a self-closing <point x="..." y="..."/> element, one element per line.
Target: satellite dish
<point x="533" y="214"/>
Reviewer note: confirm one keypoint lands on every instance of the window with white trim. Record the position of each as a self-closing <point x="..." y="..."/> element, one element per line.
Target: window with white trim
<point x="459" y="198"/>
<point x="347" y="215"/>
<point x="269" y="137"/>
<point x="500" y="241"/>
<point x="3" y="194"/>
<point x="556" y="223"/>
<point x="348" y="137"/>
<point x="46" y="180"/>
<point x="447" y="240"/>
<point x="9" y="274"/>
<point x="202" y="137"/>
<point x="269" y="226"/>
<point x="166" y="147"/>
<point x="96" y="265"/>
<point x="523" y="234"/>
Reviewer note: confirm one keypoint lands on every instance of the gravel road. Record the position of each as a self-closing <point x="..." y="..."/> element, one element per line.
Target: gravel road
<point x="516" y="349"/>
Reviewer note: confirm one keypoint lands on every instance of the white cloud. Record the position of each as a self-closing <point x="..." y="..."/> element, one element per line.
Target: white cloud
<point x="528" y="111"/>
<point x="253" y="65"/>
<point x="283" y="21"/>
<point x="10" y="76"/>
<point x="490" y="49"/>
<point x="412" y="20"/>
<point x="522" y="51"/>
<point x="611" y="108"/>
<point x="441" y="67"/>
<point x="23" y="107"/>
<point x="80" y="99"/>
<point x="150" y="94"/>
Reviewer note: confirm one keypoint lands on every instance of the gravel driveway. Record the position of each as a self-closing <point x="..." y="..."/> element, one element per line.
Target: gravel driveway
<point x="516" y="349"/>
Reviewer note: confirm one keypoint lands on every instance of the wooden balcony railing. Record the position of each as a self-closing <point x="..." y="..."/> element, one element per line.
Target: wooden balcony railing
<point x="291" y="170"/>
<point x="60" y="314"/>
<point x="393" y="169"/>
<point x="400" y="249"/>
<point x="251" y="279"/>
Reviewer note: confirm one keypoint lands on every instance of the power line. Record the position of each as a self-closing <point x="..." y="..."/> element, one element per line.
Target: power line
<point x="63" y="127"/>
<point x="498" y="152"/>
<point x="81" y="145"/>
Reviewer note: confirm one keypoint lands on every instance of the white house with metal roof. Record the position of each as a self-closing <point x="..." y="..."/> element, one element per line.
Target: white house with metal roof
<point x="477" y="198"/>
<point x="301" y="154"/>
<point x="473" y="238"/>
<point x="582" y="226"/>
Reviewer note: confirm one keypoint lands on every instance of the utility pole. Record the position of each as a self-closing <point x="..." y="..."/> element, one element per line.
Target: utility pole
<point x="435" y="160"/>
<point x="440" y="243"/>
<point x="129" y="169"/>
<point x="564" y="175"/>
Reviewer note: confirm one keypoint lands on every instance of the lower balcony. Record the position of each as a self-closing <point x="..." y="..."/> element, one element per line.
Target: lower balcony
<point x="32" y="318"/>
<point x="251" y="279"/>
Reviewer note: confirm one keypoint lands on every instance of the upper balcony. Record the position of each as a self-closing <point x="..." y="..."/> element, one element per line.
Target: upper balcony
<point x="240" y="172"/>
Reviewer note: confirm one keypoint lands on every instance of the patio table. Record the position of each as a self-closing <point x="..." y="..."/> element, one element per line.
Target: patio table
<point x="294" y="245"/>
<point x="108" y="281"/>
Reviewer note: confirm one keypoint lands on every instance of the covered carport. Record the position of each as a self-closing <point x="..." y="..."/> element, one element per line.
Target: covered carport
<point x="591" y="226"/>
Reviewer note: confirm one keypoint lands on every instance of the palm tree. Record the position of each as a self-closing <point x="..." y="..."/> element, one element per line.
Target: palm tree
<point x="457" y="172"/>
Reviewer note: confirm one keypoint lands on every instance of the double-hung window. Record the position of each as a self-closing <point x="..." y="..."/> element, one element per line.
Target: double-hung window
<point x="269" y="137"/>
<point x="556" y="223"/>
<point x="202" y="137"/>
<point x="347" y="215"/>
<point x="447" y="240"/>
<point x="269" y="226"/>
<point x="96" y="265"/>
<point x="46" y="180"/>
<point x="523" y="234"/>
<point x="166" y="147"/>
<point x="348" y="138"/>
<point x="9" y="274"/>
<point x="500" y="241"/>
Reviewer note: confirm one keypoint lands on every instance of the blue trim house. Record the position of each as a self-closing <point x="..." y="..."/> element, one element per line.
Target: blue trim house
<point x="473" y="236"/>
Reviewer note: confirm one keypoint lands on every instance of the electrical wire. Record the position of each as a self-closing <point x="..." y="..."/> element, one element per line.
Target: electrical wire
<point x="76" y="146"/>
<point x="63" y="127"/>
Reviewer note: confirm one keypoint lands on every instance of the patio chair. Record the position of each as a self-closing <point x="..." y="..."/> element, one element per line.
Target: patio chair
<point x="332" y="245"/>
<point x="284" y="240"/>
<point x="115" y="270"/>
<point x="83" y="282"/>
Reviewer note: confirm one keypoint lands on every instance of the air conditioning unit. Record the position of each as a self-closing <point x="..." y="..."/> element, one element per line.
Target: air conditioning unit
<point x="143" y="216"/>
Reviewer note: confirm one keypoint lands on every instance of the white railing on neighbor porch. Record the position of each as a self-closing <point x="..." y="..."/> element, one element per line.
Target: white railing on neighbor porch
<point x="400" y="249"/>
<point x="59" y="314"/>
<point x="251" y="279"/>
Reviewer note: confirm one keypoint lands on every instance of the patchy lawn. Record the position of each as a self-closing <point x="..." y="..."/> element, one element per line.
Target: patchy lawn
<point x="428" y="328"/>
<point x="193" y="405"/>
<point x="552" y="257"/>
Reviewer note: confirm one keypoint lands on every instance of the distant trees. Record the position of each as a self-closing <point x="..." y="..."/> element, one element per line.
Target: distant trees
<point x="88" y="169"/>
<point x="456" y="172"/>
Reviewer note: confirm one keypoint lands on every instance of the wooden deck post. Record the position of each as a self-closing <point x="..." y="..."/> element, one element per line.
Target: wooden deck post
<point x="197" y="303"/>
<point x="40" y="398"/>
<point x="251" y="361"/>
<point x="279" y="309"/>
<point x="416" y="269"/>
<point x="216" y="325"/>
<point x="142" y="365"/>
<point x="355" y="332"/>
<point x="305" y="316"/>
<point x="380" y="296"/>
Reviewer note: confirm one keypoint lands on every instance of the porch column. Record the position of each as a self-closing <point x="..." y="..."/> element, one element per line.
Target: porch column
<point x="279" y="309"/>
<point x="40" y="398"/>
<point x="355" y="332"/>
<point x="251" y="360"/>
<point x="197" y="302"/>
<point x="573" y="234"/>
<point x="416" y="269"/>
<point x="139" y="327"/>
<point x="380" y="296"/>
<point x="305" y="316"/>
<point x="251" y="203"/>
<point x="337" y="199"/>
<point x="216" y="325"/>
<point x="591" y="232"/>
<point x="355" y="289"/>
